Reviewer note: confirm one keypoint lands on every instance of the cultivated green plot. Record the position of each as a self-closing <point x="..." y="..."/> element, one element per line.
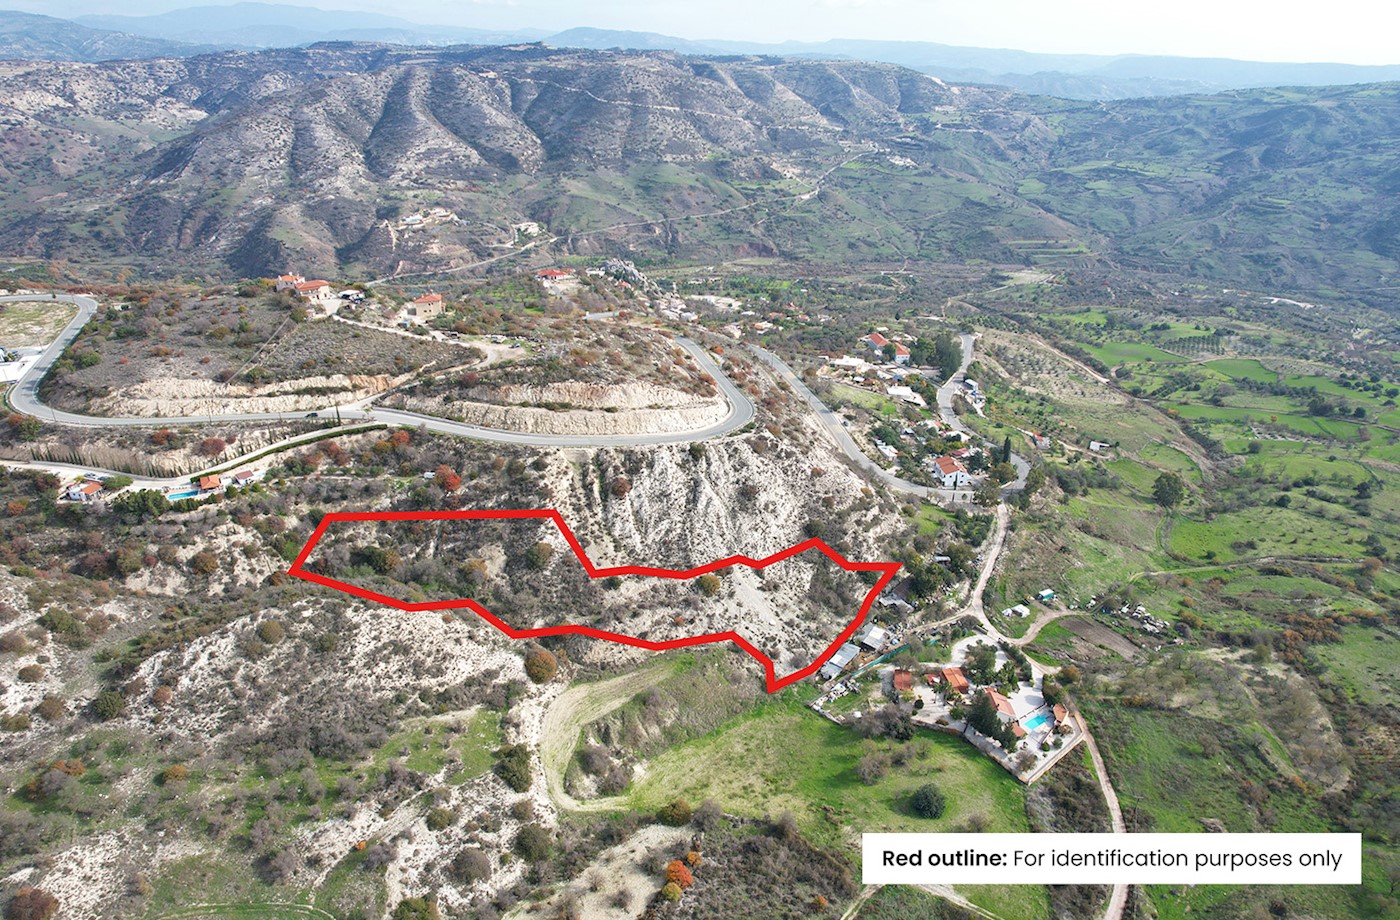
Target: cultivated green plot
<point x="1255" y="532"/>
<point x="1243" y="369"/>
<point x="1362" y="665"/>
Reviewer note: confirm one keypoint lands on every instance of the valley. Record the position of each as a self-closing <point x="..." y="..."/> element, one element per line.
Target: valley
<point x="1074" y="425"/>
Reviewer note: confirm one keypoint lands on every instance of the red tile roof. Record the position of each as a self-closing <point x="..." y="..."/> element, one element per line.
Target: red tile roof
<point x="956" y="679"/>
<point x="428" y="298"/>
<point x="947" y="465"/>
<point x="903" y="680"/>
<point x="209" y="483"/>
<point x="552" y="273"/>
<point x="312" y="285"/>
<point x="900" y="350"/>
<point x="90" y="488"/>
<point x="1001" y="702"/>
<point x="1061" y="713"/>
<point x="876" y="339"/>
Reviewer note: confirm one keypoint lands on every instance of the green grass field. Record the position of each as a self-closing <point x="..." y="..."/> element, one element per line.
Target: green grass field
<point x="783" y="757"/>
<point x="864" y="398"/>
<point x="1362" y="665"/>
<point x="1243" y="369"/>
<point x="1116" y="353"/>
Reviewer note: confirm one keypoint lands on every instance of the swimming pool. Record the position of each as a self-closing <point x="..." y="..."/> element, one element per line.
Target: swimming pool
<point x="176" y="496"/>
<point x="1036" y="721"/>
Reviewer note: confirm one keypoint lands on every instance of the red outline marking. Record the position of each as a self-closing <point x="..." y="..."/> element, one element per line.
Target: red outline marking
<point x="773" y="682"/>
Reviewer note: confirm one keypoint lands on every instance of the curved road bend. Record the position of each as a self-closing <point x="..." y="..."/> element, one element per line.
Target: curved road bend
<point x="833" y="423"/>
<point x="24" y="397"/>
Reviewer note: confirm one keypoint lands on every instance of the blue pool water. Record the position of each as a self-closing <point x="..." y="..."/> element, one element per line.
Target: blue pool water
<point x="176" y="496"/>
<point x="1036" y="721"/>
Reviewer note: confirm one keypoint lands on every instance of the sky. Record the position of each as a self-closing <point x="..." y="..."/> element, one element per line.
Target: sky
<point x="1345" y="31"/>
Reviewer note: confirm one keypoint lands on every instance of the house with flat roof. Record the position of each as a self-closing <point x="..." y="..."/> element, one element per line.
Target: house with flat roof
<point x="872" y="636"/>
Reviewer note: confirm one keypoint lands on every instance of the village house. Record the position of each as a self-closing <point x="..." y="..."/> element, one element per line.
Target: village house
<point x="288" y="282"/>
<point x="1020" y="610"/>
<point x="906" y="394"/>
<point x="426" y="308"/>
<point x="877" y="343"/>
<point x="83" y="491"/>
<point x="903" y="680"/>
<point x="315" y="292"/>
<point x="901" y="354"/>
<point x="951" y="473"/>
<point x="956" y="679"/>
<point x="210" y="483"/>
<point x="1005" y="711"/>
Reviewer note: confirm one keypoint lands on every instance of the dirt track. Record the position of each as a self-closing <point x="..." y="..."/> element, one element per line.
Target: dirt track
<point x="570" y="712"/>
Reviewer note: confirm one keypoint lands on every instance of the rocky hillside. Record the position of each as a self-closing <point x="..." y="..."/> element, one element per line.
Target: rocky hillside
<point x="366" y="160"/>
<point x="255" y="160"/>
<point x="28" y="36"/>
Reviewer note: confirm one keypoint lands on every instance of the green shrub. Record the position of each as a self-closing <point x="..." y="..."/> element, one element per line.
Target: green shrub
<point x="513" y="766"/>
<point x="108" y="705"/>
<point x="441" y="818"/>
<point x="533" y="843"/>
<point x="675" y="813"/>
<point x="928" y="801"/>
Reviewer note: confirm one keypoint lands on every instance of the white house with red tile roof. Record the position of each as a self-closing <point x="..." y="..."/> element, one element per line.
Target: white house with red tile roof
<point x="316" y="291"/>
<point x="876" y="340"/>
<point x="901" y="354"/>
<point x="84" y="491"/>
<point x="288" y="282"/>
<point x="1005" y="711"/>
<point x="951" y="473"/>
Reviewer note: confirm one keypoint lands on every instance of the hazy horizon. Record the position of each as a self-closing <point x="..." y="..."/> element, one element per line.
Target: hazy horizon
<point x="1352" y="32"/>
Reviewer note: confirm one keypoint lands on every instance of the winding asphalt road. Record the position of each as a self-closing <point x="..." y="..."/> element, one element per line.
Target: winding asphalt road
<point x="24" y="398"/>
<point x="834" y="424"/>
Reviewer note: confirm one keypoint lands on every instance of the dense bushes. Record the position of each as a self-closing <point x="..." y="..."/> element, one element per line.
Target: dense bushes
<point x="533" y="843"/>
<point x="513" y="766"/>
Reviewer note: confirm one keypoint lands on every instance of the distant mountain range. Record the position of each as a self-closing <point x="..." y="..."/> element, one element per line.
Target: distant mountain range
<point x="363" y="160"/>
<point x="27" y="36"/>
<point x="183" y="32"/>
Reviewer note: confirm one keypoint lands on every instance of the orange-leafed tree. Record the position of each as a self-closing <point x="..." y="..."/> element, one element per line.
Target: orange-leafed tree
<point x="447" y="478"/>
<point x="31" y="904"/>
<point x="679" y="873"/>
